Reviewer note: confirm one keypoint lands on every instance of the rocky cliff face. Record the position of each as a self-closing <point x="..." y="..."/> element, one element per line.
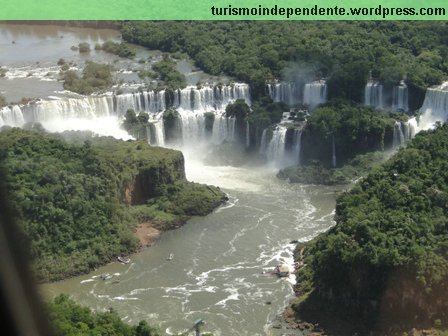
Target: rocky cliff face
<point x="151" y="180"/>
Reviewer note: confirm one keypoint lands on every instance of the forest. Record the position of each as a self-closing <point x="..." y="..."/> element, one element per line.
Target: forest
<point x="70" y="319"/>
<point x="343" y="52"/>
<point x="387" y="256"/>
<point x="78" y="202"/>
<point x="78" y="199"/>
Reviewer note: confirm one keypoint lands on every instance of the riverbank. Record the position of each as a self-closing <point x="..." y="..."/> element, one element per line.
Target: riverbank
<point x="382" y="269"/>
<point x="90" y="193"/>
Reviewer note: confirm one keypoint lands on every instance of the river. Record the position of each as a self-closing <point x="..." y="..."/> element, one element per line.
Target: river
<point x="218" y="272"/>
<point x="219" y="260"/>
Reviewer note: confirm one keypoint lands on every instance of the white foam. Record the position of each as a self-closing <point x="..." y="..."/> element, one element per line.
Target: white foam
<point x="102" y="126"/>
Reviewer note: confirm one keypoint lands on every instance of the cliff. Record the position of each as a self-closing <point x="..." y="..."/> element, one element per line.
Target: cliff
<point x="79" y="202"/>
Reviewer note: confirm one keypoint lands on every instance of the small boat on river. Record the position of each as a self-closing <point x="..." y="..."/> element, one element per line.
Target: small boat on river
<point x="170" y="257"/>
<point x="124" y="260"/>
<point x="106" y="276"/>
<point x="282" y="270"/>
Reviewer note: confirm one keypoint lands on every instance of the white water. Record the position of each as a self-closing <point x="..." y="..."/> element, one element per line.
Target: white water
<point x="84" y="112"/>
<point x="398" y="136"/>
<point x="264" y="141"/>
<point x="275" y="150"/>
<point x="219" y="260"/>
<point x="373" y="94"/>
<point x="315" y="93"/>
<point x="311" y="94"/>
<point x="287" y="92"/>
<point x="400" y="97"/>
<point x="435" y="107"/>
<point x="296" y="147"/>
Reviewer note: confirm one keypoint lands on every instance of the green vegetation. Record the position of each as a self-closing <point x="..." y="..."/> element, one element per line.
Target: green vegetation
<point x="344" y="52"/>
<point x="316" y="173"/>
<point x="2" y="101"/>
<point x="95" y="77"/>
<point x="136" y="125"/>
<point x="120" y="49"/>
<point x="84" y="47"/>
<point x="355" y="129"/>
<point x="166" y="70"/>
<point x="172" y="126"/>
<point x="387" y="257"/>
<point x="79" y="203"/>
<point x="70" y="319"/>
<point x="142" y="74"/>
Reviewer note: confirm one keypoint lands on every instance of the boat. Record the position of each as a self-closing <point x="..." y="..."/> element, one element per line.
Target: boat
<point x="170" y="257"/>
<point x="282" y="270"/>
<point x="124" y="260"/>
<point x="106" y="276"/>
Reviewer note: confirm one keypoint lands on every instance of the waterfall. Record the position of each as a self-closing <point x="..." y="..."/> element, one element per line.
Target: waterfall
<point x="11" y="116"/>
<point x="373" y="94"/>
<point x="291" y="93"/>
<point x="193" y="127"/>
<point x="287" y="92"/>
<point x="264" y="142"/>
<point x="315" y="93"/>
<point x="435" y="106"/>
<point x="398" y="136"/>
<point x="191" y="102"/>
<point x="400" y="97"/>
<point x="297" y="146"/>
<point x="223" y="129"/>
<point x="412" y="127"/>
<point x="159" y="133"/>
<point x="275" y="151"/>
<point x="333" y="156"/>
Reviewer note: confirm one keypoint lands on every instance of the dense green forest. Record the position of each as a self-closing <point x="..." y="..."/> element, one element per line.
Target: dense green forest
<point x="120" y="49"/>
<point x="315" y="173"/>
<point x="387" y="257"/>
<point x="70" y="319"/>
<point x="343" y="52"/>
<point x="95" y="77"/>
<point x="78" y="203"/>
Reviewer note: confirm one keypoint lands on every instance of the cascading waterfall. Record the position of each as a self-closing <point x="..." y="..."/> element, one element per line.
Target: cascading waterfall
<point x="403" y="131"/>
<point x="412" y="126"/>
<point x="398" y="136"/>
<point x="400" y="97"/>
<point x="223" y="129"/>
<point x="264" y="142"/>
<point x="435" y="107"/>
<point x="274" y="147"/>
<point x="315" y="93"/>
<point x="159" y="133"/>
<point x="288" y="92"/>
<point x="191" y="103"/>
<point x="275" y="151"/>
<point x="291" y="93"/>
<point x="373" y="94"/>
<point x="193" y="127"/>
<point x="297" y="146"/>
<point x="11" y="116"/>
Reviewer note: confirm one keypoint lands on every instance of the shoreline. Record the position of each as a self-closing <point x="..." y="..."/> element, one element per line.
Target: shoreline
<point x="146" y="234"/>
